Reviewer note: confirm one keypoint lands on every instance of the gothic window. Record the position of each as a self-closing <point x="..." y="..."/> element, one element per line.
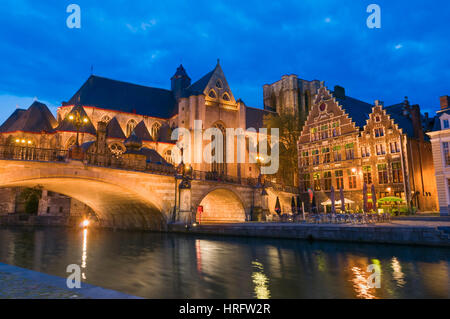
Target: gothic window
<point x="130" y="127"/>
<point x="71" y="142"/>
<point x="116" y="149"/>
<point x="226" y="97"/>
<point x="212" y="94"/>
<point x="219" y="84"/>
<point x="221" y="167"/>
<point x="155" y="130"/>
<point x="168" y="156"/>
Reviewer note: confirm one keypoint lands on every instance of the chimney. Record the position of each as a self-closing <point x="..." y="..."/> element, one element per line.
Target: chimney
<point x="444" y="102"/>
<point x="339" y="92"/>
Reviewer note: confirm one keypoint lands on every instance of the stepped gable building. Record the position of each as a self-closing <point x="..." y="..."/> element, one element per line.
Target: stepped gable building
<point x="346" y="142"/>
<point x="440" y="141"/>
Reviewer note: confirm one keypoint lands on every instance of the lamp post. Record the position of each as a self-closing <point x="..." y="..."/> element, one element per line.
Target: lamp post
<point x="78" y="121"/>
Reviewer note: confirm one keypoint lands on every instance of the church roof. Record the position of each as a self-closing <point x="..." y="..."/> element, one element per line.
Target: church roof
<point x="125" y="97"/>
<point x="153" y="156"/>
<point x="142" y="132"/>
<point x="11" y="120"/>
<point x="67" y="125"/>
<point x="113" y="129"/>
<point x="37" y="118"/>
<point x="199" y="86"/>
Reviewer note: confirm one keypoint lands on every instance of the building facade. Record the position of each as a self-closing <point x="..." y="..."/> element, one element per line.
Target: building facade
<point x="440" y="141"/>
<point x="346" y="143"/>
<point x="116" y="110"/>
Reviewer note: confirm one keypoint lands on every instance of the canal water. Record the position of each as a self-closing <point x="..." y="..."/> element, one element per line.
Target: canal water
<point x="155" y="265"/>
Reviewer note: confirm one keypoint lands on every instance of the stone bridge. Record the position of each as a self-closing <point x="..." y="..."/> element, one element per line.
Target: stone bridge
<point x="128" y="199"/>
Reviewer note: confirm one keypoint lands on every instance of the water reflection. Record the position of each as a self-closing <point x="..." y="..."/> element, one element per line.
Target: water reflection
<point x="361" y="284"/>
<point x="84" y="255"/>
<point x="260" y="281"/>
<point x="398" y="274"/>
<point x="155" y="265"/>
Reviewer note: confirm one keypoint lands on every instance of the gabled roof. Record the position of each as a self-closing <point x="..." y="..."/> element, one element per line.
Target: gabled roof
<point x="200" y="86"/>
<point x="125" y="97"/>
<point x="36" y="119"/>
<point x="66" y="125"/>
<point x="357" y="110"/>
<point x="254" y="118"/>
<point x="113" y="129"/>
<point x="142" y="132"/>
<point x="11" y="120"/>
<point x="165" y="133"/>
<point x="153" y="156"/>
<point x="404" y="122"/>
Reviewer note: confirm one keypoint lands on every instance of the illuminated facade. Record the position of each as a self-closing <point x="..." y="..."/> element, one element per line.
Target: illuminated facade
<point x="440" y="141"/>
<point x="346" y="142"/>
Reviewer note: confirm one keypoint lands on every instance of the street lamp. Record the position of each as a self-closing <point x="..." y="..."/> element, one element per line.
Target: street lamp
<point x="78" y="120"/>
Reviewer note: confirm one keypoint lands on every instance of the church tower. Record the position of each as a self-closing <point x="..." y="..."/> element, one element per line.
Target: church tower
<point x="179" y="81"/>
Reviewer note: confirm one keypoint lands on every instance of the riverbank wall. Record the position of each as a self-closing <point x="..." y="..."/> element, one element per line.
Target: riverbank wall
<point x="380" y="234"/>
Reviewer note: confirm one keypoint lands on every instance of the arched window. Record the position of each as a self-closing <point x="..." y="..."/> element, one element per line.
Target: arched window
<point x="106" y="119"/>
<point x="155" y="130"/>
<point x="219" y="84"/>
<point x="220" y="168"/>
<point x="71" y="142"/>
<point x="117" y="149"/>
<point x="212" y="94"/>
<point x="130" y="127"/>
<point x="168" y="156"/>
<point x="226" y="97"/>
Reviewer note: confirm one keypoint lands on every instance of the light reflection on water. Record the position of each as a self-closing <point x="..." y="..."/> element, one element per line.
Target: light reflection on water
<point x="158" y="265"/>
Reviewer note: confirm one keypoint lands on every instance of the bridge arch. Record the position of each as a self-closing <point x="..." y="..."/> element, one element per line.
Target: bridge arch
<point x="221" y="205"/>
<point x="120" y="199"/>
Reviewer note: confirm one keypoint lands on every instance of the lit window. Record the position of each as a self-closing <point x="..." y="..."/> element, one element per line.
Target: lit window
<point x="130" y="127"/>
<point x="155" y="130"/>
<point x="382" y="174"/>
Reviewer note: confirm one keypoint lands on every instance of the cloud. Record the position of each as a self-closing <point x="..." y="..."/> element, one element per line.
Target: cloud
<point x="144" y="41"/>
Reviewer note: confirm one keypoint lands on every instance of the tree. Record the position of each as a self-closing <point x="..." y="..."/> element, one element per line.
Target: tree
<point x="31" y="196"/>
<point x="290" y="127"/>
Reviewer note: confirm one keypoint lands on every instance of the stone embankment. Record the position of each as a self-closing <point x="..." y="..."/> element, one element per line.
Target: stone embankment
<point x="428" y="233"/>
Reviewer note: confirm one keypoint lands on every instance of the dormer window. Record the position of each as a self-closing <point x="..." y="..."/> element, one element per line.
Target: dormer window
<point x="219" y="84"/>
<point x="226" y="97"/>
<point x="212" y="94"/>
<point x="445" y="124"/>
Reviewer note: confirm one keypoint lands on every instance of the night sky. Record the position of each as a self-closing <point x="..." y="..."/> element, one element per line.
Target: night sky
<point x="257" y="42"/>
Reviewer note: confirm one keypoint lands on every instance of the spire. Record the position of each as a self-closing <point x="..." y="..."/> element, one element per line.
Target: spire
<point x="179" y="81"/>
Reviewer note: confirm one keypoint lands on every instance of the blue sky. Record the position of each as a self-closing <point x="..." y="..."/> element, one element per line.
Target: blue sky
<point x="257" y="42"/>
